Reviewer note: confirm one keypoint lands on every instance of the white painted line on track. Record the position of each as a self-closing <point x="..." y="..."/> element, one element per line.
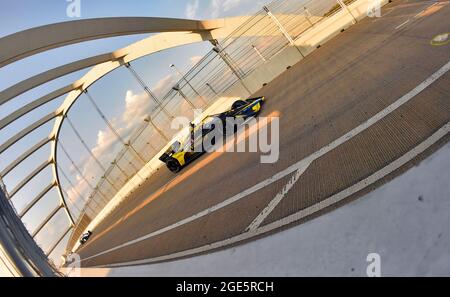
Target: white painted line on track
<point x="344" y="138"/>
<point x="402" y="24"/>
<point x="277" y="199"/>
<point x="435" y="137"/>
<point x="417" y="15"/>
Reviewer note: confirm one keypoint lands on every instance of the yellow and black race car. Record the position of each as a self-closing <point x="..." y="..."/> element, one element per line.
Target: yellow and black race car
<point x="181" y="153"/>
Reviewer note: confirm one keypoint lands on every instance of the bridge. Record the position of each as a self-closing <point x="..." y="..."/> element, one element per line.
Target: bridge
<point x="360" y="100"/>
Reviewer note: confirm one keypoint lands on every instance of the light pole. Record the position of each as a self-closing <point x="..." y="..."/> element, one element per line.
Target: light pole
<point x="230" y="63"/>
<point x="184" y="78"/>
<point x="147" y="90"/>
<point x="212" y="89"/>
<point x="177" y="88"/>
<point x="259" y="53"/>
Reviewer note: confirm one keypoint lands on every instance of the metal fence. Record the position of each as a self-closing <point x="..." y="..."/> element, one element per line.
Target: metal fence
<point x="258" y="40"/>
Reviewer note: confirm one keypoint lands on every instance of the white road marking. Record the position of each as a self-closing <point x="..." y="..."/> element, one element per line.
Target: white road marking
<point x="417" y="15"/>
<point x="435" y="137"/>
<point x="277" y="199"/>
<point x="344" y="138"/>
<point x="402" y="24"/>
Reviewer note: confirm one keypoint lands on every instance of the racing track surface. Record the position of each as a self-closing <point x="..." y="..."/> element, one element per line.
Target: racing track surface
<point x="335" y="89"/>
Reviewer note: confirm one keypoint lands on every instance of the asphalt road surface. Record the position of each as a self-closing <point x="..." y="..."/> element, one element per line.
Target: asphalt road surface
<point x="228" y="198"/>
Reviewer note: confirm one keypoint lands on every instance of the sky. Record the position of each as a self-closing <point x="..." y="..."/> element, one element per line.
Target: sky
<point x="118" y="94"/>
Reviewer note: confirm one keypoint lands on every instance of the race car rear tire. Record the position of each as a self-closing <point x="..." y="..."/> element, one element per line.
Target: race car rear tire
<point x="238" y="104"/>
<point x="173" y="165"/>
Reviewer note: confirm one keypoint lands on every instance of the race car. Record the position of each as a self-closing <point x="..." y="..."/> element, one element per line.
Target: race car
<point x="183" y="152"/>
<point x="85" y="237"/>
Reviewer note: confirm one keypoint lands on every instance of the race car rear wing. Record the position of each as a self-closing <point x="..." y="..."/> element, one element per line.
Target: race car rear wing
<point x="164" y="157"/>
<point x="167" y="154"/>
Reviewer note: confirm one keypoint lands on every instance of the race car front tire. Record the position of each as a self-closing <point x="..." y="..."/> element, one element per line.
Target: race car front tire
<point x="173" y="165"/>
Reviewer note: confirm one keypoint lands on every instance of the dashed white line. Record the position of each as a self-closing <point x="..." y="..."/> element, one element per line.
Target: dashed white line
<point x="417" y="15"/>
<point x="402" y="24"/>
<point x="344" y="138"/>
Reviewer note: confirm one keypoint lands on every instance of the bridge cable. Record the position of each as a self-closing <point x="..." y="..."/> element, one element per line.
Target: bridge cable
<point x="90" y="152"/>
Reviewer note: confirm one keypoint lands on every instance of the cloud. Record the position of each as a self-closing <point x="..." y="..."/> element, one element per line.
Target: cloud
<point x="230" y="4"/>
<point x="219" y="7"/>
<point x="163" y="85"/>
<point x="195" y="59"/>
<point x="137" y="107"/>
<point x="215" y="8"/>
<point x="192" y="9"/>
